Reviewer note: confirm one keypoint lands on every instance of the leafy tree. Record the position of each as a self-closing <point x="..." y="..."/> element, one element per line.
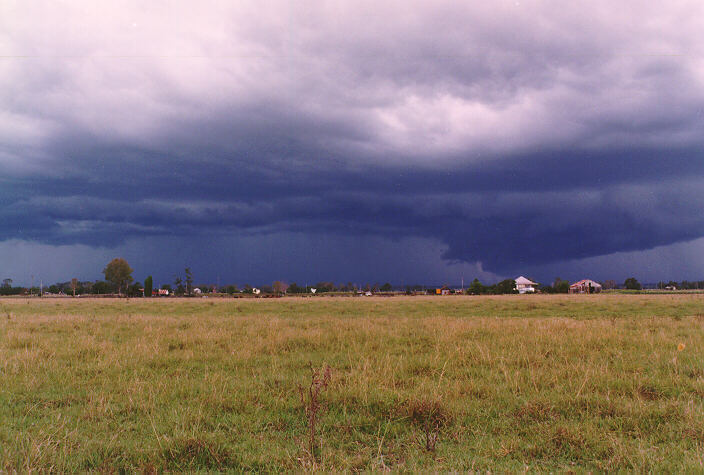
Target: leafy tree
<point x="386" y="287"/>
<point x="266" y="289"/>
<point x="135" y="290"/>
<point x="561" y="286"/>
<point x="325" y="287"/>
<point x="609" y="284"/>
<point x="295" y="289"/>
<point x="476" y="288"/>
<point x="546" y="289"/>
<point x="118" y="272"/>
<point x="7" y="283"/>
<point x="280" y="287"/>
<point x="148" y="286"/>
<point x="632" y="284"/>
<point x="507" y="286"/>
<point x="178" y="283"/>
<point x="100" y="287"/>
<point x="231" y="289"/>
<point x="189" y="280"/>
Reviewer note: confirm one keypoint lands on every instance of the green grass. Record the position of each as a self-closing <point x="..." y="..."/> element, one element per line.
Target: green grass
<point x="545" y="382"/>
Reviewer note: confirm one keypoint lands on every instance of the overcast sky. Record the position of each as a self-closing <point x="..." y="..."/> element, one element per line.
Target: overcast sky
<point x="352" y="141"/>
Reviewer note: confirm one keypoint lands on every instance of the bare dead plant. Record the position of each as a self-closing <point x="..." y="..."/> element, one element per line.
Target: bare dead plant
<point x="431" y="416"/>
<point x="310" y="398"/>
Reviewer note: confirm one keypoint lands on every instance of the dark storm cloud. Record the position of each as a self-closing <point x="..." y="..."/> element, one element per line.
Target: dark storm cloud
<point x="517" y="134"/>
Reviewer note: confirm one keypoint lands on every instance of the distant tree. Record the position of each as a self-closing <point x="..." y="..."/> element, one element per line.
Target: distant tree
<point x="561" y="286"/>
<point x="189" y="280"/>
<point x="178" y="283"/>
<point x="247" y="289"/>
<point x="101" y="287"/>
<point x="325" y="287"/>
<point x="148" y="286"/>
<point x="546" y="289"/>
<point x="632" y="284"/>
<point x="476" y="288"/>
<point x="74" y="284"/>
<point x="507" y="286"/>
<point x="280" y="287"/>
<point x="7" y="283"/>
<point x="609" y="284"/>
<point x="119" y="273"/>
<point x="166" y="287"/>
<point x="135" y="290"/>
<point x="386" y="287"/>
<point x="295" y="289"/>
<point x="54" y="289"/>
<point x="230" y="289"/>
<point x="266" y="289"/>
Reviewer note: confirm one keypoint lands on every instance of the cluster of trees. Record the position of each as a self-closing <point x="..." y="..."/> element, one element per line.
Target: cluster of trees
<point x="684" y="285"/>
<point x="322" y="287"/>
<point x="507" y="286"/>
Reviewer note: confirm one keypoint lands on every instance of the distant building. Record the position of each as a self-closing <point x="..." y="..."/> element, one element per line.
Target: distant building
<point x="444" y="290"/>
<point x="525" y="286"/>
<point x="670" y="287"/>
<point x="585" y="286"/>
<point x="256" y="291"/>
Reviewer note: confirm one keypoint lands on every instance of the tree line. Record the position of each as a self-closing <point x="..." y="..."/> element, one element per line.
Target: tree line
<point x="119" y="280"/>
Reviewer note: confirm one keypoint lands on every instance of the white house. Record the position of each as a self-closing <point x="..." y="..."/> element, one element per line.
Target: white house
<point x="256" y="291"/>
<point x="525" y="286"/>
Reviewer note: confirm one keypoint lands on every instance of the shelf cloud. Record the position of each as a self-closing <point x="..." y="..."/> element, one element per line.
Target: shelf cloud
<point x="510" y="134"/>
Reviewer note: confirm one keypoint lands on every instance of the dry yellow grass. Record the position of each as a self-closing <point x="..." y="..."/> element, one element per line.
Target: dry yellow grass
<point x="547" y="382"/>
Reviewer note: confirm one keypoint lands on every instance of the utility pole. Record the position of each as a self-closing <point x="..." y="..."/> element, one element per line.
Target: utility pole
<point x="31" y="289"/>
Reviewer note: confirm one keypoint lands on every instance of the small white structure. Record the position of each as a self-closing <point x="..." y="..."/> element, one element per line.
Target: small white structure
<point x="367" y="293"/>
<point x="585" y="286"/>
<point x="197" y="291"/>
<point x="525" y="286"/>
<point x="312" y="290"/>
<point x="256" y="291"/>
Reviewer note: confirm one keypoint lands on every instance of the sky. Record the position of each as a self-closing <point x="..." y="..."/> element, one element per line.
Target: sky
<point x="409" y="142"/>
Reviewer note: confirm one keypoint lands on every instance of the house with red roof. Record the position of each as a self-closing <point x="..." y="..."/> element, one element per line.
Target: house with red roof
<point x="585" y="286"/>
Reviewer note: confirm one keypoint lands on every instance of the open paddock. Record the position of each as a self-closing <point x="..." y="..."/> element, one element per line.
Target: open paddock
<point x="569" y="382"/>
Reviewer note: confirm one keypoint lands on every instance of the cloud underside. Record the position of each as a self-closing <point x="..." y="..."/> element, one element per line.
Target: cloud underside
<point x="518" y="134"/>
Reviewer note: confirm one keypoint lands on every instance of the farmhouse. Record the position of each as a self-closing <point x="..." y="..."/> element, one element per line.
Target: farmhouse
<point x="585" y="286"/>
<point x="525" y="286"/>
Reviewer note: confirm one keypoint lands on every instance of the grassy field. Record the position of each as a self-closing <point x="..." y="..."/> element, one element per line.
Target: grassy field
<point x="601" y="382"/>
